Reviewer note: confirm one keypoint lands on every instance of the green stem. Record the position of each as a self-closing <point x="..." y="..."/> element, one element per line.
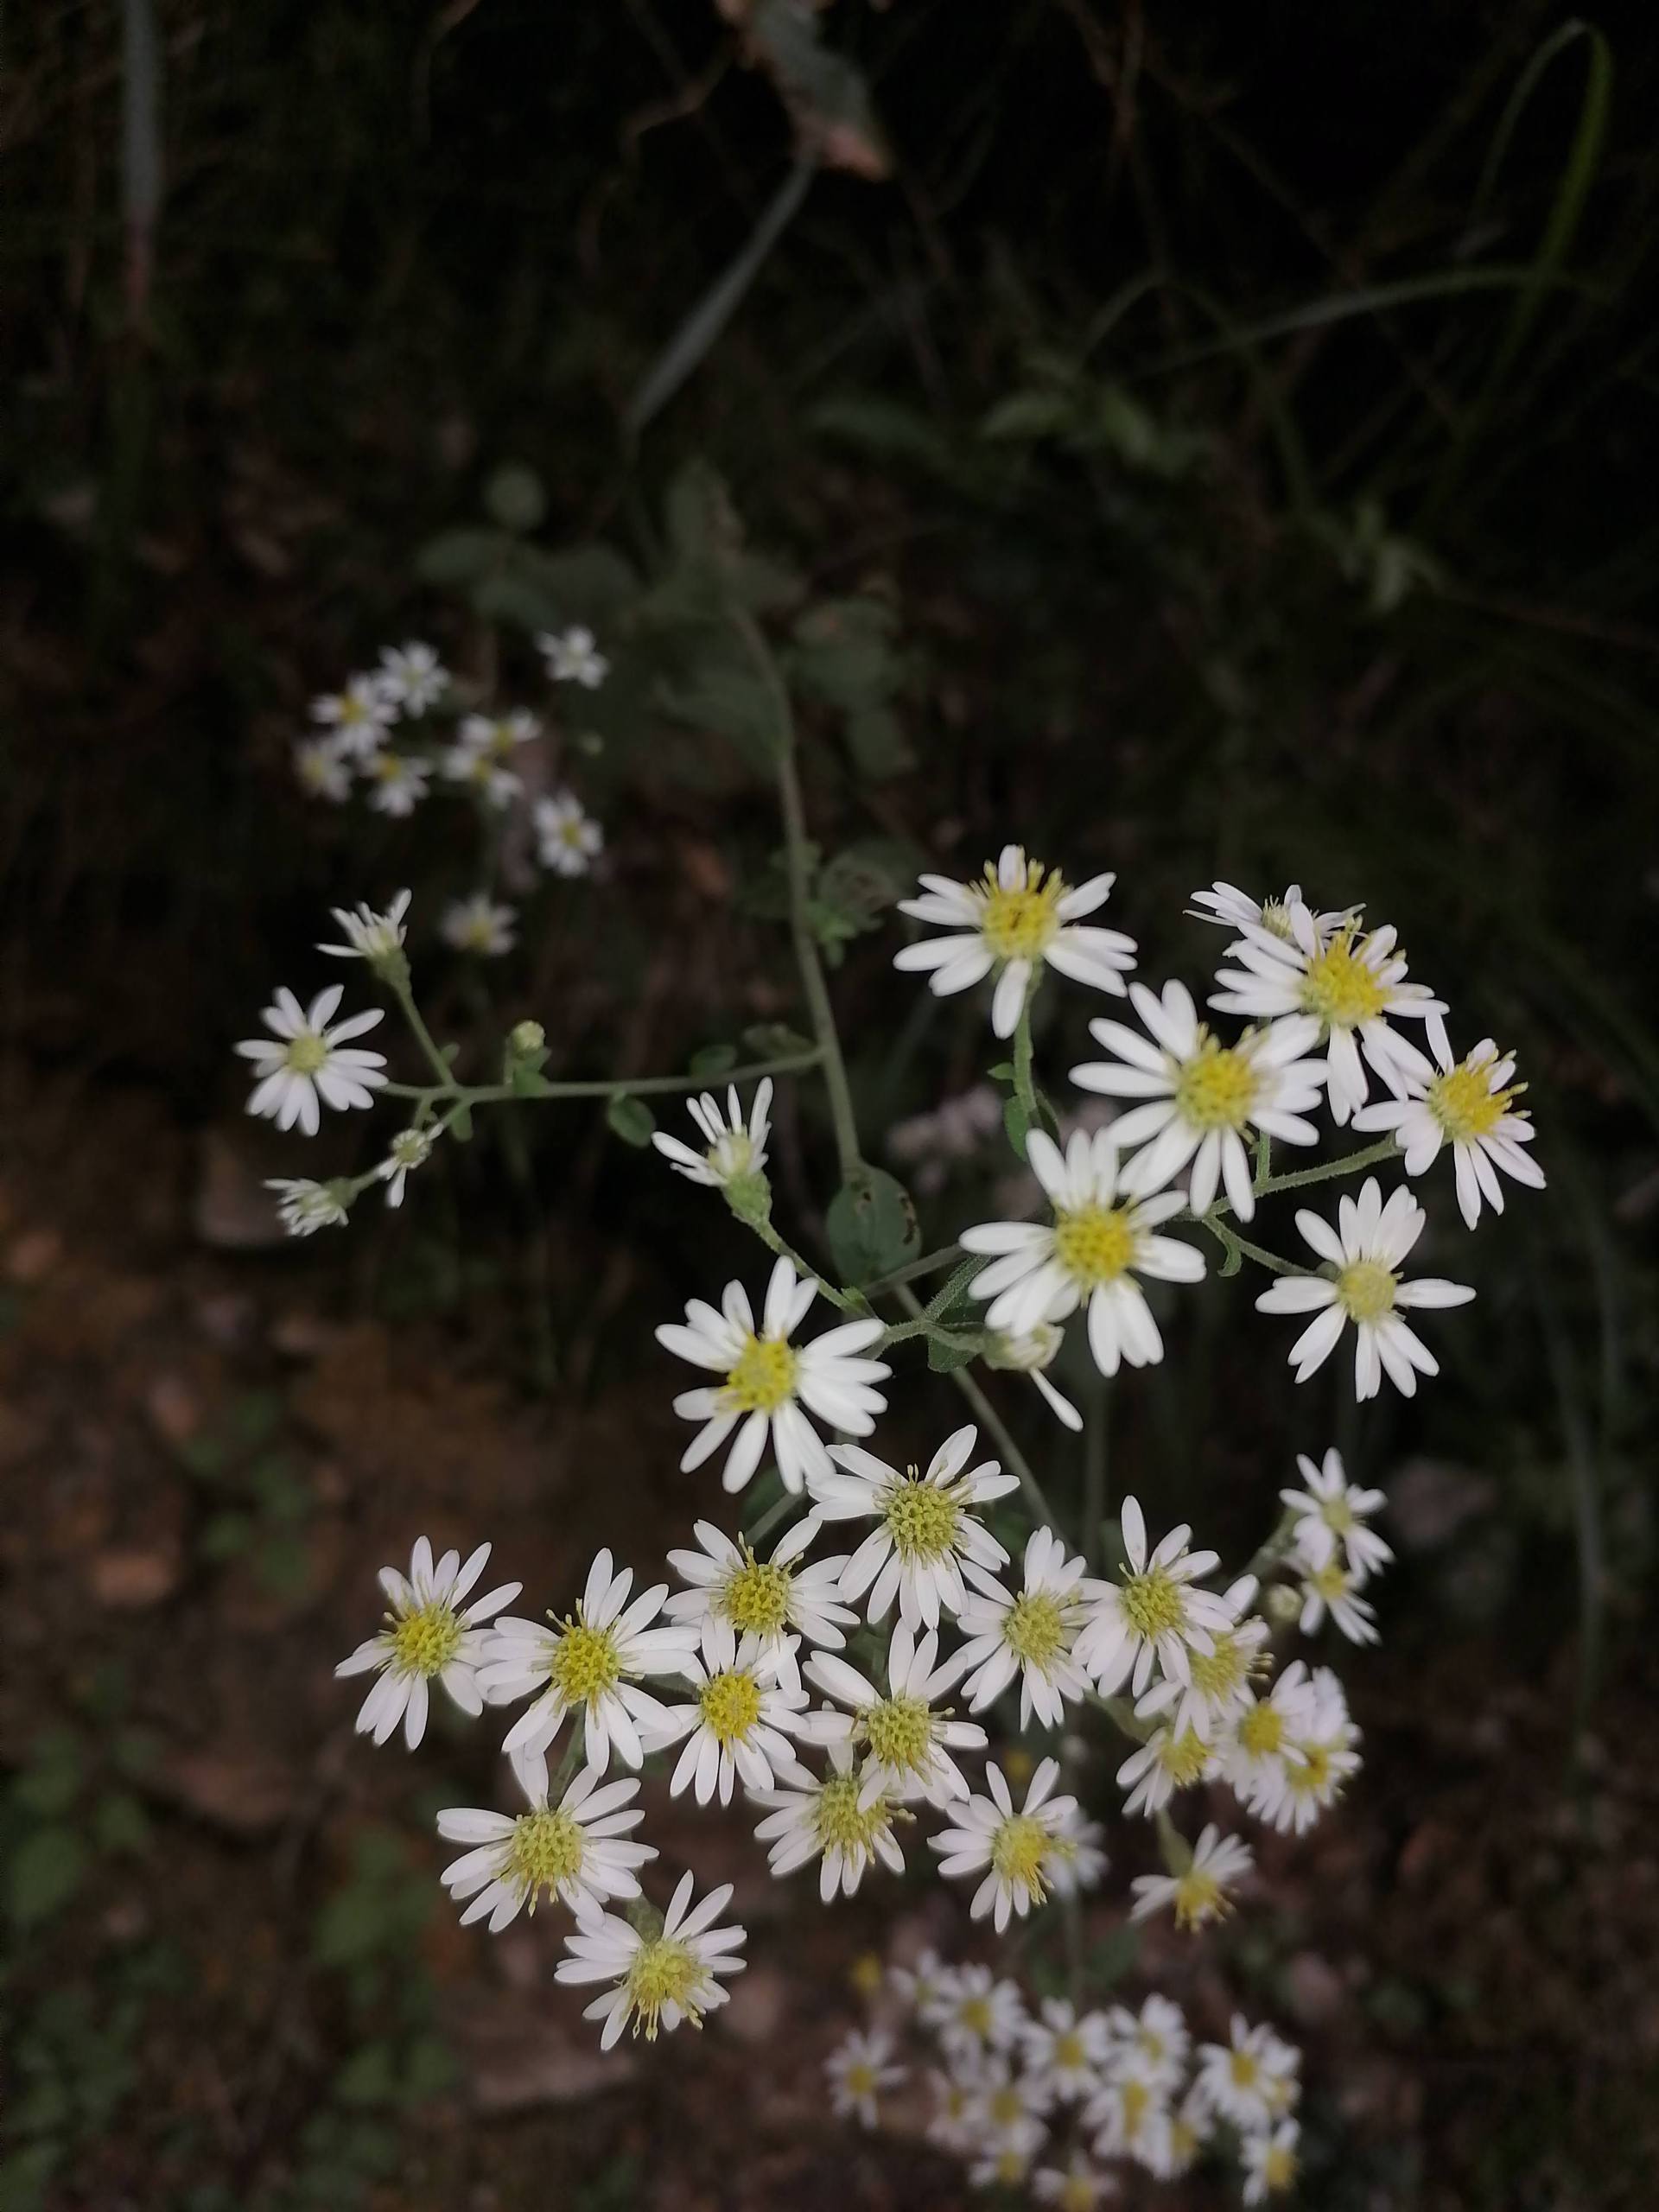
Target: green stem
<point x="1277" y="1546"/>
<point x="1025" y="1089"/>
<point x="1234" y="1246"/>
<point x="423" y="1035"/>
<point x="992" y="1421"/>
<point x="1351" y="1163"/>
<point x="1123" y="1715"/>
<point x="1173" y="1845"/>
<point x="929" y="1264"/>
<point x="1094" y="1468"/>
<point x="850" y="1301"/>
<point x="644" y="1086"/>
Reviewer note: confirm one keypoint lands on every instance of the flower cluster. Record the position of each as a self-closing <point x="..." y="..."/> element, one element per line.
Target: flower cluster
<point x="1063" y="2100"/>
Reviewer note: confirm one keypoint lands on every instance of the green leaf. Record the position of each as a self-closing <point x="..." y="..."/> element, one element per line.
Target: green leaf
<point x="120" y="1824"/>
<point x="872" y="1225"/>
<point x="1024" y="414"/>
<point x="227" y="1535"/>
<point x="944" y="1358"/>
<point x="1114" y="1957"/>
<point x="459" y="558"/>
<point x="631" y="1119"/>
<point x="45" y="1873"/>
<point x="368" y="2077"/>
<point x="724" y="696"/>
<point x="711" y="1061"/>
<point x="50" y="1783"/>
<point x="775" y="1040"/>
<point x="876" y="740"/>
<point x="514" y="498"/>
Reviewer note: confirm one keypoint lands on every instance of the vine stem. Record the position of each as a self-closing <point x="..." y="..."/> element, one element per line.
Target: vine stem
<point x="644" y="1086"/>
<point x="1025" y="1089"/>
<point x="422" y="1034"/>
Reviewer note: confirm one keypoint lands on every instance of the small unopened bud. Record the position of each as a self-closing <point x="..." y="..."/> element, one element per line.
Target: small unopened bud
<point x="527" y="1037"/>
<point x="1283" y="1603"/>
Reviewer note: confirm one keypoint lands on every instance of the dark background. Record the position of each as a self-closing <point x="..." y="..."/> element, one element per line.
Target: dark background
<point x="1242" y="424"/>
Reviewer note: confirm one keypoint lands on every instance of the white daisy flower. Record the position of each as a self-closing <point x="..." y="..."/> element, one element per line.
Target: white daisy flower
<point x="1006" y="2155"/>
<point x="739" y="1725"/>
<point x="496" y="784"/>
<point x="311" y="1064"/>
<point x="1029" y="1354"/>
<point x="1015" y="1850"/>
<point x="1004" y="2104"/>
<point x="980" y="2014"/>
<point x="1218" y="1681"/>
<point x="1129" y="2115"/>
<point x="1155" y="2040"/>
<point x="573" y="1850"/>
<point x="1259" y="1747"/>
<point x="590" y="1664"/>
<point x="370" y="935"/>
<point x="926" y="1529"/>
<point x="410" y="676"/>
<point x="1468" y="1105"/>
<point x="731" y="1150"/>
<point x="827" y="1820"/>
<point x="1076" y="2186"/>
<point x="1153" y="1612"/>
<point x="1333" y="1588"/>
<point x="399" y="779"/>
<point x="410" y="1148"/>
<point x="478" y="925"/>
<point x="922" y="1986"/>
<point x="1333" y="1512"/>
<point x="1199" y="1893"/>
<point x="1365" y="1251"/>
<point x="1099" y="1241"/>
<point x="951" y="2123"/>
<point x="498" y="737"/>
<point x="358" y="716"/>
<point x="764" y="1598"/>
<point x="320" y="770"/>
<point x="1018" y="918"/>
<point x="1029" y="1632"/>
<point x="1268" y="2157"/>
<point x="660" y="1980"/>
<point x="572" y="656"/>
<point x="304" y="1207"/>
<point x="1318" y="1758"/>
<point x="1080" y="1861"/>
<point x="768" y="1380"/>
<point x="859" y="2070"/>
<point x="1169" y="1760"/>
<point x="1067" y="2050"/>
<point x="907" y="1740"/>
<point x="430" y="1633"/>
<point x="568" y="841"/>
<point x="1353" y="984"/>
<point x="1205" y="1099"/>
<point x="1242" y="2079"/>
<point x="1191" y="2125"/>
<point x="1233" y="909"/>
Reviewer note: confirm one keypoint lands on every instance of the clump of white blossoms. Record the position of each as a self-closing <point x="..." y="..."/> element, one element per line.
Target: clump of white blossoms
<point x="573" y="657"/>
<point x="770" y="1384"/>
<point x="568" y="839"/>
<point x="308" y="1061"/>
<point x="740" y="1723"/>
<point x="1365" y="1253"/>
<point x="304" y="1206"/>
<point x="1100" y="1241"/>
<point x="831" y="1818"/>
<point x="907" y="1735"/>
<point x="926" y="1531"/>
<point x="1152" y="1613"/>
<point x="733" y="1151"/>
<point x="1031" y="1633"/>
<point x="431" y="1635"/>
<point x="764" y="1598"/>
<point x="370" y="935"/>
<point x="478" y="924"/>
<point x="659" y="1980"/>
<point x="1330" y="1514"/>
<point x="1017" y="919"/>
<point x="1015" y="1851"/>
<point x="1202" y="1889"/>
<point x="410" y="677"/>
<point x="575" y="1850"/>
<point x="1469" y="1104"/>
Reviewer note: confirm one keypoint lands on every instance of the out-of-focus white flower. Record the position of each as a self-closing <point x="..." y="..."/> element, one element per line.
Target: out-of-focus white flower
<point x="568" y="841"/>
<point x="1469" y="1105"/>
<point x="1169" y="1760"/>
<point x="767" y="1380"/>
<point x="1080" y="1861"/>
<point x="304" y="1207"/>
<point x="957" y="1128"/>
<point x="978" y="2014"/>
<point x="399" y="781"/>
<point x="1067" y="2050"/>
<point x="478" y="925"/>
<point x="311" y="1064"/>
<point x="1078" y="2186"/>
<point x="370" y="935"/>
<point x="572" y="656"/>
<point x="1029" y="1633"/>
<point x="1017" y="919"/>
<point x="1039" y="1348"/>
<point x="1233" y="909"/>
<point x="740" y="1723"/>
<point x="827" y="1818"/>
<point x="1198" y="1893"/>
<point x="321" y="770"/>
<point x="358" y="716"/>
<point x="1155" y="2039"/>
<point x="410" y="677"/>
<point x="1317" y="1758"/>
<point x="660" y="1980"/>
<point x="908" y="1742"/>
<point x="1203" y="1098"/>
<point x="410" y="1148"/>
<point x="926" y="1528"/>
<point x="590" y="1664"/>
<point x="731" y="1148"/>
<point x="764" y="1598"/>
<point x="498" y="737"/>
<point x="1246" y="2078"/>
<point x="860" y="2068"/>
<point x="1333" y="1588"/>
<point x="1264" y="1729"/>
<point x="1091" y="1252"/>
<point x="1365" y="1251"/>
<point x="1005" y="2157"/>
<point x="1153" y="1612"/>
<point x="573" y="1851"/>
<point x="430" y="1634"/>
<point x="1218" y="1686"/>
<point x="1268" y="2156"/>
<point x="488" y="777"/>
<point x="921" y="1987"/>
<point x="1015" y="1850"/>
<point x="1129" y="2114"/>
<point x="1330" y="1511"/>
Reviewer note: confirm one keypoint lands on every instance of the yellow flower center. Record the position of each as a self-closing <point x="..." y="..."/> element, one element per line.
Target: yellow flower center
<point x="1313" y="1777"/>
<point x="1262" y="1731"/>
<point x="585" y="1663"/>
<point x="1137" y="2098"/>
<point x="1244" y="2068"/>
<point x="867" y="1973"/>
<point x="1069" y="2051"/>
<point x="1197" y="1894"/>
<point x="1153" y="1603"/>
<point x="1279" y="2167"/>
<point x="859" y="2078"/>
<point x="840" y="1822"/>
<point x="1338" y="1514"/>
<point x="1183" y="2144"/>
<point x="546" y="1849"/>
<point x="387" y="766"/>
<point x="424" y="1641"/>
<point x="731" y="1706"/>
<point x="732" y="1156"/>
<point x="1094" y="1244"/>
<point x="1184" y="1757"/>
<point x="1010" y="2166"/>
<point x="1019" y="924"/>
<point x="570" y="831"/>
<point x="1331" y="1581"/>
<point x="1035" y="1630"/>
<point x="923" y="1520"/>
<point x="1078" y="2194"/>
<point x="665" y="1972"/>
<point x="1216" y="1088"/>
<point x="352" y="711"/>
<point x="755" y="1596"/>
<point x="1220" y="1672"/>
<point x="1275" y="918"/>
<point x="307" y="1053"/>
<point x="1366" y="1289"/>
<point x="763" y="1378"/>
<point x="1340" y="988"/>
<point x="1463" y="1103"/>
<point x="975" y="2015"/>
<point x="1021" y="1847"/>
<point x="901" y="1732"/>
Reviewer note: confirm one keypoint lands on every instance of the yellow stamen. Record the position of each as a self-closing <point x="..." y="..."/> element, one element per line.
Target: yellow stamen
<point x="1366" y="1289"/>
<point x="1094" y="1243"/>
<point x="1019" y="924"/>
<point x="762" y="1379"/>
<point x="1217" y="1088"/>
<point x="1340" y="987"/>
